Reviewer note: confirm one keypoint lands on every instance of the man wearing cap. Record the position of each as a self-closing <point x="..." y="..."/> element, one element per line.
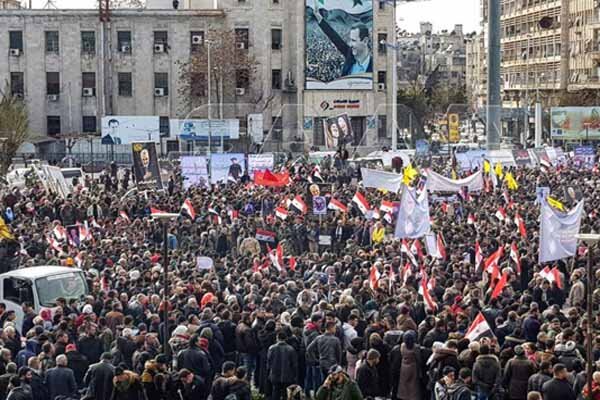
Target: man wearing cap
<point x="516" y="374"/>
<point x="338" y="386"/>
<point x="558" y="388"/>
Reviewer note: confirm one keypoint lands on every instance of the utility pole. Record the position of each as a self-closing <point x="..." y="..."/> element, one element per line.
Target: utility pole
<point x="494" y="101"/>
<point x="394" y="86"/>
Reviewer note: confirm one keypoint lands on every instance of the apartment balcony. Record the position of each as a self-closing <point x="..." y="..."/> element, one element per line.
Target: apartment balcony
<point x="585" y="82"/>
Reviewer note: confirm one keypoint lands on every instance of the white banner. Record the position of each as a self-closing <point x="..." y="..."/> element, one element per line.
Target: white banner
<point x="260" y="162"/>
<point x="439" y="183"/>
<point x="413" y="217"/>
<point x="372" y="178"/>
<point x="195" y="171"/>
<point x="558" y="232"/>
<point x="504" y="157"/>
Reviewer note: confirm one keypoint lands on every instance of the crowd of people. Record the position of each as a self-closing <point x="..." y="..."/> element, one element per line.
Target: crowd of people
<point x="300" y="315"/>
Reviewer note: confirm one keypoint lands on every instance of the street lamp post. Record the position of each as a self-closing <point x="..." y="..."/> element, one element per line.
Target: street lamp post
<point x="589" y="240"/>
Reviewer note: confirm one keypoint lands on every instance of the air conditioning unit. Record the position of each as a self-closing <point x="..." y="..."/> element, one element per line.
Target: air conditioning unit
<point x="126" y="48"/>
<point x="159" y="92"/>
<point x="240" y="91"/>
<point x="15" y="52"/>
<point x="88" y="92"/>
<point x="53" y="97"/>
<point x="381" y="86"/>
<point x="241" y="45"/>
<point x="159" y="48"/>
<point x="18" y="95"/>
<point x="196" y="39"/>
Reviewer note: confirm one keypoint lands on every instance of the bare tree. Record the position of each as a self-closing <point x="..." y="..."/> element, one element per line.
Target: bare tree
<point x="14" y="127"/>
<point x="231" y="67"/>
<point x="116" y="4"/>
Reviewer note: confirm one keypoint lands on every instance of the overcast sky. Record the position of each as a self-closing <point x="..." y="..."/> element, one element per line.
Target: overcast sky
<point x="444" y="14"/>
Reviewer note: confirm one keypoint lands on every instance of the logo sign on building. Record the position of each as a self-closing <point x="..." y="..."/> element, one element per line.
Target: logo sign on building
<point x="255" y="127"/>
<point x="195" y="171"/>
<point x="453" y="128"/>
<point x="119" y="129"/>
<point x="199" y="129"/>
<point x="145" y="166"/>
<point x="575" y="123"/>
<point x="260" y="162"/>
<point x="227" y="167"/>
<point x="339" y="44"/>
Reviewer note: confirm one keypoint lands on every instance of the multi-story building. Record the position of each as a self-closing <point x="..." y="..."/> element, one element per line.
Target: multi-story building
<point x="73" y="69"/>
<point x="12" y="4"/>
<point x="476" y="73"/>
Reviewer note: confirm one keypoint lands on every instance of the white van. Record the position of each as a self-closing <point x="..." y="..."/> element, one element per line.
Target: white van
<point x="40" y="286"/>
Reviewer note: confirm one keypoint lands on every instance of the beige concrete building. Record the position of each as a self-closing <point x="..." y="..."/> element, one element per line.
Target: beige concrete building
<point x="73" y="69"/>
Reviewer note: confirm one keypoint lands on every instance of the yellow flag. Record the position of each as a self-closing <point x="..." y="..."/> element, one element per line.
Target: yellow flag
<point x="498" y="170"/>
<point x="378" y="234"/>
<point x="4" y="231"/>
<point x="556" y="204"/>
<point x="487" y="167"/>
<point x="409" y="174"/>
<point x="454" y="176"/>
<point x="511" y="182"/>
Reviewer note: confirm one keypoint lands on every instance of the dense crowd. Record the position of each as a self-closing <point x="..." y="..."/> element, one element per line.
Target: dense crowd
<point x="323" y="61"/>
<point x="307" y="319"/>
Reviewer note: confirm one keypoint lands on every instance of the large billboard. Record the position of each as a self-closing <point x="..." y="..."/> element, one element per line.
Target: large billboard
<point x="339" y="44"/>
<point x="119" y="129"/>
<point x="571" y="123"/>
<point x="199" y="129"/>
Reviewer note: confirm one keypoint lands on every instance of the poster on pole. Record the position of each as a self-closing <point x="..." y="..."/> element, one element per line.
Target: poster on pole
<point x="195" y="171"/>
<point x="145" y="166"/>
<point x="260" y="162"/>
<point x="119" y="129"/>
<point x="227" y="167"/>
<point x="339" y="44"/>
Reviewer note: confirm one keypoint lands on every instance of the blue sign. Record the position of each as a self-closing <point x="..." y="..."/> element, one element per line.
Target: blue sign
<point x="584" y="157"/>
<point x="422" y="147"/>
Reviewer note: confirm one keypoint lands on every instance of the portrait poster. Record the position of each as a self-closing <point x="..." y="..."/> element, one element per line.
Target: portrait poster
<point x="145" y="166"/>
<point x="227" y="167"/>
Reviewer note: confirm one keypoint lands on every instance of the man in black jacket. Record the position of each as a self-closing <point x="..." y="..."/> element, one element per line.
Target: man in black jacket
<point x="77" y="362"/>
<point x="220" y="386"/>
<point x="282" y="364"/>
<point x="197" y="361"/>
<point x="99" y="377"/>
<point x="367" y="376"/>
<point x="60" y="379"/>
<point x="558" y="388"/>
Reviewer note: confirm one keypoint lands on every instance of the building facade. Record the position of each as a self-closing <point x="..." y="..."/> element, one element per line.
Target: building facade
<point x="73" y="69"/>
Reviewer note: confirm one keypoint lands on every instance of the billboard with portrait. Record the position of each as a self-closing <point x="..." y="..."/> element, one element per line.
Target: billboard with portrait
<point x="195" y="171"/>
<point x="339" y="44"/>
<point x="227" y="167"/>
<point x="119" y="129"/>
<point x="575" y="123"/>
<point x="145" y="166"/>
<point x="199" y="129"/>
<point x="338" y="131"/>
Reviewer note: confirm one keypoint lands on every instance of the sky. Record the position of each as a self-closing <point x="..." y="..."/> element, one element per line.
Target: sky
<point x="443" y="14"/>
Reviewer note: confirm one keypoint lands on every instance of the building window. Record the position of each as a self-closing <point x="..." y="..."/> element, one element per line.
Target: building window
<point x="382" y="4"/>
<point x="17" y="84"/>
<point x="161" y="81"/>
<point x="52" y="83"/>
<point x="241" y="79"/>
<point x="125" y="84"/>
<point x="196" y="41"/>
<point x="277" y="128"/>
<point x="89" y="124"/>
<point x="88" y="83"/>
<point x="276" y="39"/>
<point x="53" y="125"/>
<point x="382" y="43"/>
<point x="163" y="126"/>
<point x="381" y="77"/>
<point x="124" y="41"/>
<point x="382" y="126"/>
<point x="161" y="37"/>
<point x="242" y="38"/>
<point x="15" y="40"/>
<point x="276" y="79"/>
<point x="52" y="44"/>
<point x="88" y="42"/>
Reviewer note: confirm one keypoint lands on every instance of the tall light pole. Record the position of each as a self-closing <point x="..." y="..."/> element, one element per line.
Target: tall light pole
<point x="494" y="101"/>
<point x="590" y="240"/>
<point x="395" y="86"/>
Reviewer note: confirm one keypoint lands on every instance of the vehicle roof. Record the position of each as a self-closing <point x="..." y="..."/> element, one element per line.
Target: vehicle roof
<point x="39" y="271"/>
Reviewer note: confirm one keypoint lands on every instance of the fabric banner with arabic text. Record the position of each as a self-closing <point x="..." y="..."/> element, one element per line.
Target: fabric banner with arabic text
<point x="372" y="178"/>
<point x="439" y="183"/>
<point x="413" y="216"/>
<point x="558" y="232"/>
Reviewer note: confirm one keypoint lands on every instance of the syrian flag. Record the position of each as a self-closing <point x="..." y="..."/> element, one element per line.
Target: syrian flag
<point x="514" y="255"/>
<point x="216" y="217"/>
<point x="519" y="222"/>
<point x="406" y="250"/>
<point x="479" y="329"/>
<point x="54" y="244"/>
<point x="424" y="291"/>
<point x="292" y="263"/>
<point x="154" y="211"/>
<point x="299" y="204"/>
<point x="506" y="196"/>
<point x="374" y="278"/>
<point x="277" y="257"/>
<point x="471" y="219"/>
<point x="441" y="247"/>
<point x="388" y="217"/>
<point x="337" y="205"/>
<point x="491" y="263"/>
<point x="500" y="286"/>
<point x="387" y="206"/>
<point x="417" y="249"/>
<point x="478" y="255"/>
<point x="552" y="275"/>
<point x="60" y="233"/>
<point x="264" y="235"/>
<point x="233" y="214"/>
<point x="281" y="213"/>
<point x="406" y="272"/>
<point x="361" y="202"/>
<point x="189" y="209"/>
<point x="501" y="214"/>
